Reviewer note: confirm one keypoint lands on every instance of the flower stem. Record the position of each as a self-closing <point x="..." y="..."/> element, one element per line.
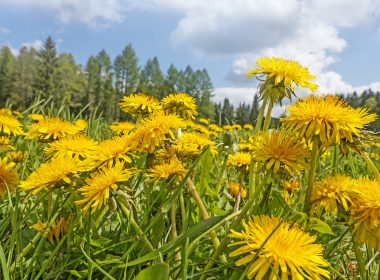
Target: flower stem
<point x="268" y="116"/>
<point x="313" y="167"/>
<point x="205" y="215"/>
<point x="370" y="164"/>
<point x="135" y="226"/>
<point x="50" y="203"/>
<point x="218" y="185"/>
<point x="261" y="114"/>
<point x="360" y="260"/>
<point x="173" y="211"/>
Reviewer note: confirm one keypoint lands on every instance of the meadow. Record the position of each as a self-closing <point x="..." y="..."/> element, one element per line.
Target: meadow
<point x="169" y="195"/>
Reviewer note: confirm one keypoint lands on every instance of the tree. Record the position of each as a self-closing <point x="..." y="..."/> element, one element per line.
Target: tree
<point x="228" y="114"/>
<point x="203" y="94"/>
<point x="46" y="69"/>
<point x="242" y="114"/>
<point x="254" y="110"/>
<point x="172" y="80"/>
<point x="7" y="68"/>
<point x="24" y="78"/>
<point x="151" y="79"/>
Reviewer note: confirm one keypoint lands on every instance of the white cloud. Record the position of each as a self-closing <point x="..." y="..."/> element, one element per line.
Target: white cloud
<point x="4" y="30"/>
<point x="94" y="13"/>
<point x="36" y="44"/>
<point x="235" y="95"/>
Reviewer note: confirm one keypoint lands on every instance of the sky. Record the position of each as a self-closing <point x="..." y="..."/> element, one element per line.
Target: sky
<point x="338" y="40"/>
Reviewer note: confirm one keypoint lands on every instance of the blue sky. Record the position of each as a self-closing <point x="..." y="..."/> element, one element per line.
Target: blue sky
<point x="339" y="40"/>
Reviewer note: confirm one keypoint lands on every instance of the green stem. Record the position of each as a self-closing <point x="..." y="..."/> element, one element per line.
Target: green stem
<point x="205" y="215"/>
<point x="268" y="116"/>
<point x="261" y="114"/>
<point x="50" y="202"/>
<point x="313" y="167"/>
<point x="185" y="247"/>
<point x="360" y="260"/>
<point x="88" y="237"/>
<point x="135" y="226"/>
<point x="218" y="185"/>
<point x="370" y="164"/>
<point x="173" y="211"/>
<point x="334" y="160"/>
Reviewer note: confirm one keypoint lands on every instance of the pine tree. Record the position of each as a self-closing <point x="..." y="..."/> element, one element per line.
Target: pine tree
<point x="172" y="80"/>
<point x="7" y="69"/>
<point x="228" y="113"/>
<point x="204" y="94"/>
<point x="46" y="68"/>
<point x="151" y="79"/>
<point x="242" y="114"/>
<point x="254" y="110"/>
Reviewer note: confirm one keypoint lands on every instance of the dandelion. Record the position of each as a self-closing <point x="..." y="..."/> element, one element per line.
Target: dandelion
<point x="16" y="156"/>
<point x="72" y="146"/>
<point x="139" y="105"/>
<point x="155" y="130"/>
<point x="6" y="144"/>
<point x="248" y="126"/>
<point x="81" y="124"/>
<point x="334" y="191"/>
<point x="328" y="118"/>
<point x="119" y="148"/>
<point x="181" y="104"/>
<point x="122" y="127"/>
<point x="233" y="190"/>
<point x="240" y="159"/>
<point x="52" y="129"/>
<point x="204" y="121"/>
<point x="215" y="128"/>
<point x="8" y="176"/>
<point x="9" y="125"/>
<point x="284" y="250"/>
<point x="98" y="187"/>
<point x="36" y="117"/>
<point x="283" y="76"/>
<point x="51" y="173"/>
<point x="279" y="151"/>
<point x="58" y="229"/>
<point x="167" y="169"/>
<point x="365" y="212"/>
<point x="292" y="186"/>
<point x="191" y="145"/>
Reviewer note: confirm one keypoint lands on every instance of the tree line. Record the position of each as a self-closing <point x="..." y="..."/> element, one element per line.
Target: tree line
<point x="100" y="84"/>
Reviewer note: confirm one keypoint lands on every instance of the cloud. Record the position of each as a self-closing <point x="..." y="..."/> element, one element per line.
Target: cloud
<point x="4" y="30"/>
<point x="36" y="44"/>
<point x="94" y="13"/>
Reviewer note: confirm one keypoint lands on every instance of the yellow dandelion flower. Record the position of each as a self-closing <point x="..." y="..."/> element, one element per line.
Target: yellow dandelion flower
<point x="9" y="125"/>
<point x="81" y="124"/>
<point x="284" y="250"/>
<point x="245" y="147"/>
<point x="279" y="150"/>
<point x="16" y="156"/>
<point x="155" y="130"/>
<point x="58" y="229"/>
<point x="191" y="144"/>
<point x="8" y="177"/>
<point x="329" y="118"/>
<point x="139" y="105"/>
<point x="182" y="104"/>
<point x="52" y="129"/>
<point x="191" y="126"/>
<point x="288" y="73"/>
<point x="72" y="146"/>
<point x="240" y="159"/>
<point x="167" y="169"/>
<point x="51" y="173"/>
<point x="365" y="212"/>
<point x="204" y="121"/>
<point x="97" y="190"/>
<point x="248" y="126"/>
<point x="236" y="127"/>
<point x="39" y="226"/>
<point x="36" y="117"/>
<point x="333" y="191"/>
<point x="228" y="128"/>
<point x="233" y="190"/>
<point x="215" y="128"/>
<point x="292" y="186"/>
<point x="6" y="144"/>
<point x="119" y="148"/>
<point x="122" y="127"/>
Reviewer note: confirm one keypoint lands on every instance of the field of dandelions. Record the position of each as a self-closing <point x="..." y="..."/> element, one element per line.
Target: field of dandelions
<point x="169" y="195"/>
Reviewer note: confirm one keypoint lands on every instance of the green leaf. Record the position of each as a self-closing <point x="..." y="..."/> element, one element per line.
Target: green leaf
<point x="320" y="226"/>
<point x="158" y="271"/>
